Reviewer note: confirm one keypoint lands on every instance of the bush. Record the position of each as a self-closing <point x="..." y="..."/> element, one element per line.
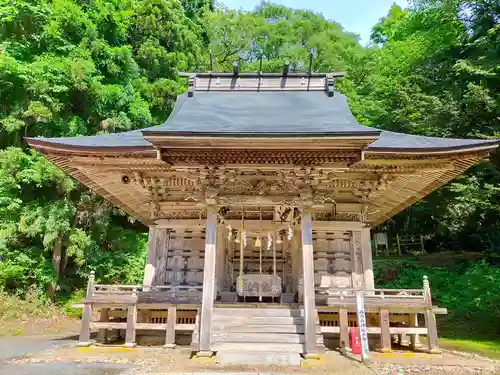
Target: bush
<point x="470" y="292"/>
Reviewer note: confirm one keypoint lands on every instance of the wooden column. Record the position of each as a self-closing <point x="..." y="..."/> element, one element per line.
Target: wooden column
<point x="207" y="303"/>
<point x="170" y="333"/>
<point x="131" y="325"/>
<point x="84" y="339"/>
<point x="150" y="269"/>
<point x="310" y="348"/>
<point x="367" y="259"/>
<point x="385" y="334"/>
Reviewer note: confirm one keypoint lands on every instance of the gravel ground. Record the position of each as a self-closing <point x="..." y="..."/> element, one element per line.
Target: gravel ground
<point x="61" y="369"/>
<point x="60" y="356"/>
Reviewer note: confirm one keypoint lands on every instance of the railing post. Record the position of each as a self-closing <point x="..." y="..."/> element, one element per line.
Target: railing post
<point x="430" y="320"/>
<point x="131" y="323"/>
<point x="385" y="333"/>
<point x="103" y="332"/>
<point x="344" y="328"/>
<point x="84" y="339"/>
<point x="414" y="338"/>
<point x="170" y="332"/>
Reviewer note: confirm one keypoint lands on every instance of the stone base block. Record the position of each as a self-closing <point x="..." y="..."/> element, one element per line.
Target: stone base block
<point x="204" y="354"/>
<point x="434" y="351"/>
<point x="227" y="357"/>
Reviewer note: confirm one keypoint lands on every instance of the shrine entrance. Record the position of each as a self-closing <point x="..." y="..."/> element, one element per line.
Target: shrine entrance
<point x="258" y="257"/>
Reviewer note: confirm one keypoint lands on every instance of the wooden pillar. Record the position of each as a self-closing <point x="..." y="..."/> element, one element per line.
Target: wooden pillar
<point x="170" y="332"/>
<point x="344" y="328"/>
<point x="103" y="332"/>
<point x="131" y="325"/>
<point x="367" y="259"/>
<point x="310" y="347"/>
<point x="84" y="339"/>
<point x="150" y="269"/>
<point x="385" y="334"/>
<point x="207" y="303"/>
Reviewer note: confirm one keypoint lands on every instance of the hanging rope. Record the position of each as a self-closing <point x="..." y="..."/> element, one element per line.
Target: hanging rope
<point x="242" y="228"/>
<point x="260" y="253"/>
<point x="274" y="257"/>
<point x="260" y="244"/>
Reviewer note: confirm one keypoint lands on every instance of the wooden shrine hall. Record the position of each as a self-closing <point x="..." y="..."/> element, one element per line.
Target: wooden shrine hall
<point x="259" y="192"/>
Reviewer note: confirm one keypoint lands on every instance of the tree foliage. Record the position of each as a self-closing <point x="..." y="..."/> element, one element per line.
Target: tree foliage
<point x="67" y="68"/>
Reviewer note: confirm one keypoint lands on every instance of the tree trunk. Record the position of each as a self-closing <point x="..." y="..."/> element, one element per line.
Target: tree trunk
<point x="56" y="257"/>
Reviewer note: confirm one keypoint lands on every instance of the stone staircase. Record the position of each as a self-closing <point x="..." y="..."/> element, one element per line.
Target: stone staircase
<point x="260" y="335"/>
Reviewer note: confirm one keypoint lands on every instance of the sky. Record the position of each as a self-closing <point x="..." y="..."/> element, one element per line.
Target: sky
<point x="356" y="16"/>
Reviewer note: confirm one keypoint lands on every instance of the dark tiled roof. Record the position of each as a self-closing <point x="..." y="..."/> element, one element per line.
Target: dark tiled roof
<point x="263" y="114"/>
<point x="132" y="138"/>
<point x="396" y="141"/>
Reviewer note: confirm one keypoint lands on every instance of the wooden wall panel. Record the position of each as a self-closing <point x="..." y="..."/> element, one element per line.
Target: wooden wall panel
<point x="332" y="258"/>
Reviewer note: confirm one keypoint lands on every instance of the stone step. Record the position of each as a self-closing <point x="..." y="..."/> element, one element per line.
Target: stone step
<point x="264" y="328"/>
<point x="260" y="347"/>
<point x="284" y="338"/>
<point x="256" y="320"/>
<point x="246" y="337"/>
<point x="257" y="312"/>
<point x="238" y="357"/>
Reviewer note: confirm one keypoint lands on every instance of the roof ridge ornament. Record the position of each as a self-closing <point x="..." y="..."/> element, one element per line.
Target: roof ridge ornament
<point x="191" y="85"/>
<point x="261" y="81"/>
<point x="329" y="85"/>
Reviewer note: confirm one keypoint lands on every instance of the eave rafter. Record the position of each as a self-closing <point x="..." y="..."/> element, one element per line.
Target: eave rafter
<point x="374" y="189"/>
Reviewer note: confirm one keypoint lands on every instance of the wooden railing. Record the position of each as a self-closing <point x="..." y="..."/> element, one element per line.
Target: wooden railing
<point x="144" y="294"/>
<point x="400" y="296"/>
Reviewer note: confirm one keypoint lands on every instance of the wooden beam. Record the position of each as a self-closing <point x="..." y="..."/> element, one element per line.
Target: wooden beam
<point x="376" y="330"/>
<point x="255" y="224"/>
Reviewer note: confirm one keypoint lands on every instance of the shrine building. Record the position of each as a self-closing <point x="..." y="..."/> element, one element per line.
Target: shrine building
<point x="259" y="192"/>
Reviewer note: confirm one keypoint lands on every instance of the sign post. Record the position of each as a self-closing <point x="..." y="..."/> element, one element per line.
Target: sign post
<point x="360" y="309"/>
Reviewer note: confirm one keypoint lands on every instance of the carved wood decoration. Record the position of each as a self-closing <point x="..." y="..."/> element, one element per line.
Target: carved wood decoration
<point x="357" y="260"/>
<point x="183" y="181"/>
